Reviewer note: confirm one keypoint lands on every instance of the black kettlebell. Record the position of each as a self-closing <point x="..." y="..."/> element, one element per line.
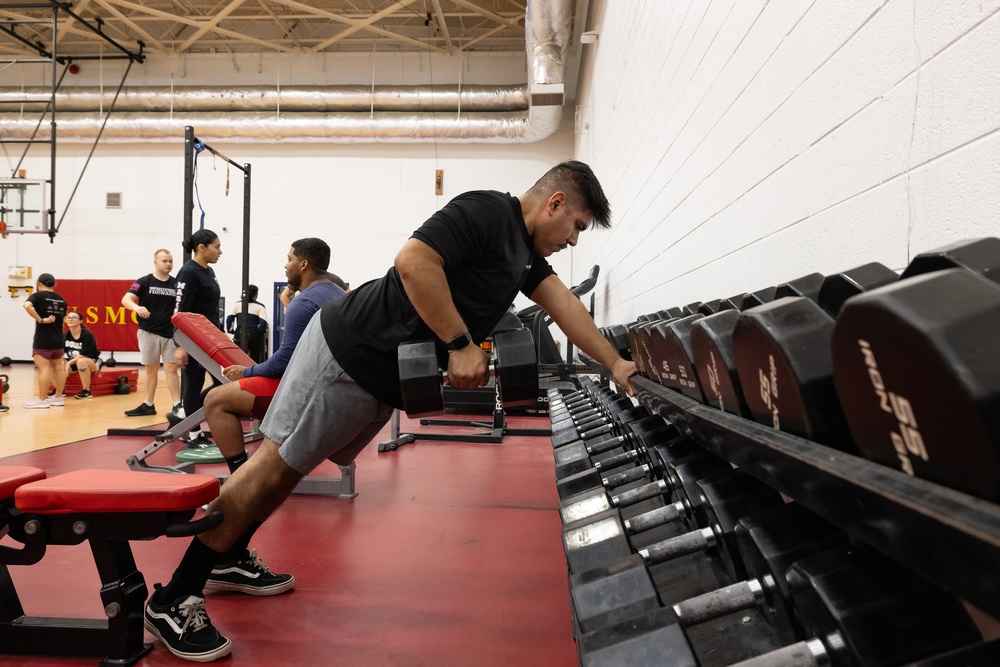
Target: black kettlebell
<point x="122" y="387"/>
<point x="4" y="361"/>
<point x="5" y="384"/>
<point x="110" y="363"/>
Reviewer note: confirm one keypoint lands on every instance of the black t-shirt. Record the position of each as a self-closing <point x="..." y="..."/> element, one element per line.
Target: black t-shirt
<point x="86" y="345"/>
<point x="488" y="258"/>
<point x="198" y="291"/>
<point x="48" y="336"/>
<point x="159" y="297"/>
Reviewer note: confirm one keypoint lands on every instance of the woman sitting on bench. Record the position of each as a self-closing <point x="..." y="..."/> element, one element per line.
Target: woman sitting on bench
<point x="82" y="354"/>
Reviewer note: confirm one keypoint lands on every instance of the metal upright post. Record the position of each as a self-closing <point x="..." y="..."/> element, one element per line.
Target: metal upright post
<point x="189" y="157"/>
<point x="244" y="337"/>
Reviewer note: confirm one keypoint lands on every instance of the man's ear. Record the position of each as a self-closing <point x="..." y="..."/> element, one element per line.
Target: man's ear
<point x="557" y="201"/>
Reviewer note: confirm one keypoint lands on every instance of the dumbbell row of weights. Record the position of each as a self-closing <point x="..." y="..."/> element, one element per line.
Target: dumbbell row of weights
<point x="896" y="369"/>
<point x="632" y="591"/>
<point x="606" y="595"/>
<point x="849" y="605"/>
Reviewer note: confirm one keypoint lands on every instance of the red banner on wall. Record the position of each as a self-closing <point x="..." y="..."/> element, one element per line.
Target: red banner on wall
<point x="100" y="303"/>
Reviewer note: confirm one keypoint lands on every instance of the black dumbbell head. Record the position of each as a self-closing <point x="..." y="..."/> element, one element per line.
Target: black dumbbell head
<point x="839" y="287"/>
<point x="782" y="352"/>
<point x="715" y="363"/>
<point x="807" y="286"/>
<point x="918" y="374"/>
<point x="679" y="357"/>
<point x="980" y="256"/>
<point x="879" y="613"/>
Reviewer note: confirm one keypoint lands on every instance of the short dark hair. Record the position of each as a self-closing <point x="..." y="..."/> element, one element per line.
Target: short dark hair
<point x="579" y="180"/>
<point x="252" y="292"/>
<point x="315" y="251"/>
<point x="201" y="237"/>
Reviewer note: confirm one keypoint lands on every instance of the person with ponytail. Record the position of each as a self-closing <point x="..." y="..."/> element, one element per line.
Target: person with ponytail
<point x="82" y="354"/>
<point x="197" y="292"/>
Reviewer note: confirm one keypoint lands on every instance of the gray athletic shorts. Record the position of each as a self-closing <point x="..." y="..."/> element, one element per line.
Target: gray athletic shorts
<point x="319" y="412"/>
<point x="152" y="348"/>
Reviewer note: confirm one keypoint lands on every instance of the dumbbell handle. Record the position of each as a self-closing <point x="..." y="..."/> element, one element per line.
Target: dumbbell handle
<point x="627" y="477"/>
<point x="811" y="653"/>
<point x="595" y="432"/>
<point x="605" y="445"/>
<point x="613" y="462"/>
<point x="720" y="602"/>
<point x="675" y="547"/>
<point x="637" y="495"/>
<point x="661" y="516"/>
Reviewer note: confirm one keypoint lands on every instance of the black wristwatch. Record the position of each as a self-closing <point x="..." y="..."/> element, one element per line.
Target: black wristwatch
<point x="460" y="341"/>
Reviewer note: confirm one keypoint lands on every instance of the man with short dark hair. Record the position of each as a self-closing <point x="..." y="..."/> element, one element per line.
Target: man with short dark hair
<point x="453" y="281"/>
<point x="152" y="299"/>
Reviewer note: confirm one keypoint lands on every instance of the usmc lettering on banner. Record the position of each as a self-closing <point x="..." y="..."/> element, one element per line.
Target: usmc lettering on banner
<point x="907" y="440"/>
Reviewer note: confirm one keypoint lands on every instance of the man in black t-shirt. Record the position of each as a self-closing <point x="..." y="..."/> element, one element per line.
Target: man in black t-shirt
<point x="452" y="282"/>
<point x="47" y="309"/>
<point x="152" y="299"/>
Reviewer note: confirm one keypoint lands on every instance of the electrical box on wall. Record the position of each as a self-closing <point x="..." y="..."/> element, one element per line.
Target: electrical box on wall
<point x="439" y="182"/>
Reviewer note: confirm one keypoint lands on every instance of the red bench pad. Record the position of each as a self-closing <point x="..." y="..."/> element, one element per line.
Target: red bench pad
<point x="12" y="477"/>
<point x="209" y="338"/>
<point x="116" y="491"/>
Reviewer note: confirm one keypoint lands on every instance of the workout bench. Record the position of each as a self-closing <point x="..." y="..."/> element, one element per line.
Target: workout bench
<point x="215" y="350"/>
<point x="107" y="509"/>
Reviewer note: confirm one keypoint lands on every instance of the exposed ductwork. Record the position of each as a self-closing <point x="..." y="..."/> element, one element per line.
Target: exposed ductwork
<point x="497" y="114"/>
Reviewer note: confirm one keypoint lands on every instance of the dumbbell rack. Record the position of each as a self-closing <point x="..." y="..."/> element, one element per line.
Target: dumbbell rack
<point x="946" y="536"/>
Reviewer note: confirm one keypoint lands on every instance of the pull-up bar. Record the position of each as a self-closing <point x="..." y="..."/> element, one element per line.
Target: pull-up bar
<point x="193" y="146"/>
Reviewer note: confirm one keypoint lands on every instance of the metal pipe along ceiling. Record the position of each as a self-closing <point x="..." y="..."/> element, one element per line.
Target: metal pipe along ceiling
<point x="339" y="114"/>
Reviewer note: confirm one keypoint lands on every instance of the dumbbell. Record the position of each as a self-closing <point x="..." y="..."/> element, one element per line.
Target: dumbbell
<point x="588" y="423"/>
<point x="725" y="498"/>
<point x="595" y="539"/>
<point x="4" y="388"/>
<point x="782" y="357"/>
<point x="672" y="354"/>
<point x="855" y="606"/>
<point x="769" y="542"/>
<point x="917" y="372"/>
<point x="637" y="436"/>
<point x="636" y="429"/>
<point x="421" y="379"/>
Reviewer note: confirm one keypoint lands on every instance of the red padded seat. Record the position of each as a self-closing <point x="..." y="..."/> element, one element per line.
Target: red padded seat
<point x="115" y="491"/>
<point x="11" y="477"/>
<point x="211" y="339"/>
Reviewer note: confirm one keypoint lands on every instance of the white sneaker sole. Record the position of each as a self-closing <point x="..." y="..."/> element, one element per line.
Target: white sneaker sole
<point x="220" y="652"/>
<point x="250" y="589"/>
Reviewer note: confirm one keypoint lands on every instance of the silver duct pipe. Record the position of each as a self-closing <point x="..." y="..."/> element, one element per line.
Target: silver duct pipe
<point x="337" y="114"/>
<point x="33" y="100"/>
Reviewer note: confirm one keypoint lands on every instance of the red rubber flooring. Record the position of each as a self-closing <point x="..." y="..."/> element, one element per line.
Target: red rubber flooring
<point x="449" y="555"/>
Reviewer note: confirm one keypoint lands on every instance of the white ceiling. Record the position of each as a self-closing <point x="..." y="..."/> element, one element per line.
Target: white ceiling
<point x="167" y="27"/>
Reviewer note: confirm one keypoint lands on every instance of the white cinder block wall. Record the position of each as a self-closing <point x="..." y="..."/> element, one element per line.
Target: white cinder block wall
<point x="744" y="143"/>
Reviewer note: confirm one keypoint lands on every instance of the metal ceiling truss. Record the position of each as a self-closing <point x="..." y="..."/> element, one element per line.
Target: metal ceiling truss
<point x="171" y="27"/>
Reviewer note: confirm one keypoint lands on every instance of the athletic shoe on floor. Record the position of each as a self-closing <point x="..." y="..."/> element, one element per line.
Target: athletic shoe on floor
<point x="84" y="394"/>
<point x="184" y="627"/>
<point x="176" y="411"/>
<point x="198" y="442"/>
<point x="4" y="408"/>
<point x="248" y="575"/>
<point x="173" y="419"/>
<point x="37" y="404"/>
<point x="55" y="401"/>
<point x="142" y="411"/>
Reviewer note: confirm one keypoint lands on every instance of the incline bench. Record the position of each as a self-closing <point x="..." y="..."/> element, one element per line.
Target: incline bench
<point x="215" y="350"/>
<point x="107" y="509"/>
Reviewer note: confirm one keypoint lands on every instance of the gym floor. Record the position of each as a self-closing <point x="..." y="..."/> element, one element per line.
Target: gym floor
<point x="450" y="554"/>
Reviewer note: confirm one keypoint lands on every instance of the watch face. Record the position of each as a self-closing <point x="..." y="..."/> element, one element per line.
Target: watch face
<point x="458" y="342"/>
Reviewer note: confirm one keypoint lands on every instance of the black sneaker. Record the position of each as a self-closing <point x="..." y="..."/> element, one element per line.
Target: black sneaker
<point x="248" y="575"/>
<point x="198" y="442"/>
<point x="142" y="411"/>
<point x="52" y="392"/>
<point x="84" y="394"/>
<point x="184" y="627"/>
<point x="174" y="419"/>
